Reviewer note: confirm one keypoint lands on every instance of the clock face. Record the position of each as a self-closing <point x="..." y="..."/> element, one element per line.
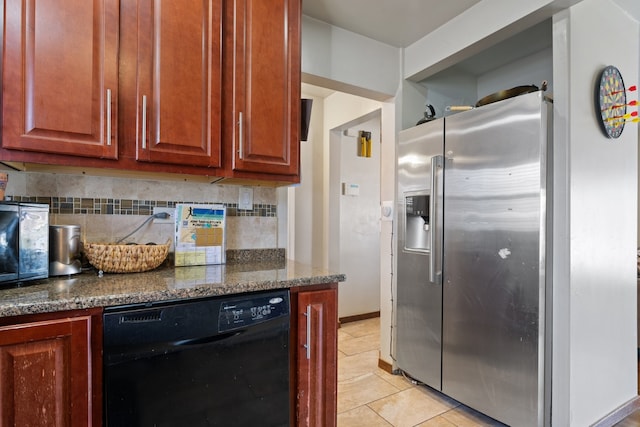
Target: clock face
<point x="611" y="102"/>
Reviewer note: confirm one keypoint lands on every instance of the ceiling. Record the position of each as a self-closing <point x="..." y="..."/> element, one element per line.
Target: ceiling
<point x="400" y="23"/>
<point x="397" y="23"/>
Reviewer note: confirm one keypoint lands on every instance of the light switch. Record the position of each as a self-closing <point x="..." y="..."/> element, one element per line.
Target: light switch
<point x="350" y="189"/>
<point x="245" y="201"/>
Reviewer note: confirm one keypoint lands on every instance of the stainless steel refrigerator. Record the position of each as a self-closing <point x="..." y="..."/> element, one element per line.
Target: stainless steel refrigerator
<point x="474" y="276"/>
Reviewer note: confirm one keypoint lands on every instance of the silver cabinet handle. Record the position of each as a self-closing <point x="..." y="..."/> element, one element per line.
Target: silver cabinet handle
<point x="144" y="122"/>
<point x="108" y="116"/>
<point x="308" y="344"/>
<point x="240" y="138"/>
<point x="436" y="164"/>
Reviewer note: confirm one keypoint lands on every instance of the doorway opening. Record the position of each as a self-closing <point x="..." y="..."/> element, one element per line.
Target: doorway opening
<point x="354" y="214"/>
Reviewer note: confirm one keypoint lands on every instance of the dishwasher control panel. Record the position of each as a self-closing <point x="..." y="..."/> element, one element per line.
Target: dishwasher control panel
<point x="242" y="312"/>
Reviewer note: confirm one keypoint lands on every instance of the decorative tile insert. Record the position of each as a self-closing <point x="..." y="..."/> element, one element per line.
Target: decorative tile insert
<point x="79" y="206"/>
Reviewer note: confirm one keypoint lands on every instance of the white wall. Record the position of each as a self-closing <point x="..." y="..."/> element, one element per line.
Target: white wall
<point x="306" y="220"/>
<point x="463" y="85"/>
<point x="340" y="110"/>
<point x="478" y="28"/>
<point x="348" y="62"/>
<point x="595" y="220"/>
<point x="312" y="199"/>
<point x="530" y="70"/>
<point x="355" y="220"/>
<point x="339" y="60"/>
<point x="390" y="127"/>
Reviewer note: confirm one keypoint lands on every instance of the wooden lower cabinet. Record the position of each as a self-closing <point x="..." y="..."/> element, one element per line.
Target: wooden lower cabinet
<point x="316" y="356"/>
<point x="51" y="364"/>
<point x="50" y="370"/>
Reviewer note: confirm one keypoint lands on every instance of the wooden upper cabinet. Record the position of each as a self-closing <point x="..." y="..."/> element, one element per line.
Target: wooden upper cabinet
<point x="201" y="87"/>
<point x="264" y="56"/>
<point x="60" y="76"/>
<point x="179" y="82"/>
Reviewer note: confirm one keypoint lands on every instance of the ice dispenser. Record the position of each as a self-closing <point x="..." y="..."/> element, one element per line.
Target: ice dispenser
<point x="417" y="227"/>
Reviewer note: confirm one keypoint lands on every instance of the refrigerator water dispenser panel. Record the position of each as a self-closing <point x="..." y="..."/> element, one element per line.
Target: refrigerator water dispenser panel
<point x="416" y="222"/>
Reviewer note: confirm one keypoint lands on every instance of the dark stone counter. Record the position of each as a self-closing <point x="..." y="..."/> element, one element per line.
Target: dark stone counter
<point x="88" y="289"/>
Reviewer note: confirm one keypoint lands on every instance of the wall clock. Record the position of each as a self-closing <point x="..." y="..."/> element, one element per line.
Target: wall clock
<point x="611" y="102"/>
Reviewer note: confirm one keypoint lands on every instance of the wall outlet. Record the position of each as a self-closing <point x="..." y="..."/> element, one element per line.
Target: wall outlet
<point x="245" y="200"/>
<point x="170" y="211"/>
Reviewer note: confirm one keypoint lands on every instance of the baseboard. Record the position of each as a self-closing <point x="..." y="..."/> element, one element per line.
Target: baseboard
<point x="385" y="366"/>
<point x="619" y="414"/>
<point x="357" y="317"/>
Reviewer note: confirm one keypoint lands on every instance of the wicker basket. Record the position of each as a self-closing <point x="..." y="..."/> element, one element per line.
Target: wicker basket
<point x="115" y="258"/>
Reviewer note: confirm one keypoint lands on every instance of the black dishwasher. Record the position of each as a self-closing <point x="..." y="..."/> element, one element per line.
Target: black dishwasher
<point x="221" y="361"/>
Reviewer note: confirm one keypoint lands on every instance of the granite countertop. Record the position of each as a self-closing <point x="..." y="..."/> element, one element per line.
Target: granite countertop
<point x="87" y="290"/>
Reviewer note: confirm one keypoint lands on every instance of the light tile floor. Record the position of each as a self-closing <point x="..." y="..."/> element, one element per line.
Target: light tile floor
<point x="369" y="396"/>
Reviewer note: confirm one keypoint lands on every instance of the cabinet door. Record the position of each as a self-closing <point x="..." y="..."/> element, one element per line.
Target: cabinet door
<point x="317" y="360"/>
<point x="179" y="81"/>
<point x="45" y="373"/>
<point x="60" y="69"/>
<point x="266" y="86"/>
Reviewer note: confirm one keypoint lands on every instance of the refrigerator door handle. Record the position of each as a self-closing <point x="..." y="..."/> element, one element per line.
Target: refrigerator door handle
<point x="436" y="168"/>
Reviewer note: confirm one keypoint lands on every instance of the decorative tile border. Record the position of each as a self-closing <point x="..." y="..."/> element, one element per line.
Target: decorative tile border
<point x="89" y="206"/>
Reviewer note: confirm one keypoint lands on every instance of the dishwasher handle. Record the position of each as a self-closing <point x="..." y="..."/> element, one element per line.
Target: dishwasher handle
<point x="115" y="355"/>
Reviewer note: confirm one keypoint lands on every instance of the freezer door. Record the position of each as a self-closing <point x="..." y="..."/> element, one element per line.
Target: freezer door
<point x="494" y="259"/>
<point x="419" y="290"/>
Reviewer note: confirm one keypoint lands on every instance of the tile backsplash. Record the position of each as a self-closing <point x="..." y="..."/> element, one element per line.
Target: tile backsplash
<point x="108" y="208"/>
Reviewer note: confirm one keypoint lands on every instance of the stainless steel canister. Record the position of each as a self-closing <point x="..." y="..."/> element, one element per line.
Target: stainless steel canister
<point x="64" y="250"/>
